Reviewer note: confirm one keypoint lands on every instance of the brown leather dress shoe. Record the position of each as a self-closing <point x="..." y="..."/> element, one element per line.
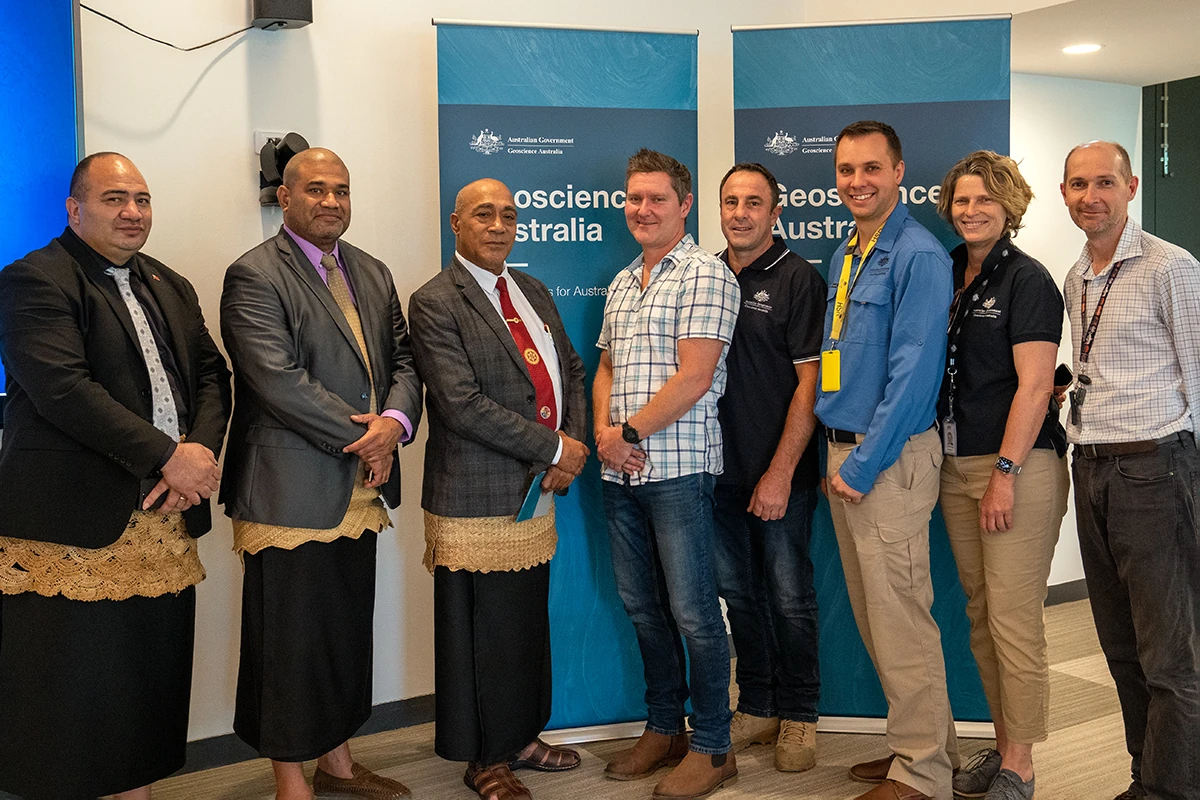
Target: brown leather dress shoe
<point x="649" y="753"/>
<point x="364" y="784"/>
<point x="894" y="790"/>
<point x="495" y="783"/>
<point x="698" y="775"/>
<point x="546" y="758"/>
<point x="873" y="771"/>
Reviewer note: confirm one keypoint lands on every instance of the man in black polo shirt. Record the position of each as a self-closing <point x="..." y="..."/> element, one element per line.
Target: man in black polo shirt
<point x="765" y="498"/>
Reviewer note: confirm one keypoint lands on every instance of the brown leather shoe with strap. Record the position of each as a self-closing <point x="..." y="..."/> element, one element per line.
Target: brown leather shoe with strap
<point x="364" y="784"/>
<point x="545" y="758"/>
<point x="651" y="752"/>
<point x="495" y="783"/>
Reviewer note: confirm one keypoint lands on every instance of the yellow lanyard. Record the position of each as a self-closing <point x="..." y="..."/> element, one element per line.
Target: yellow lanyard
<point x="844" y="284"/>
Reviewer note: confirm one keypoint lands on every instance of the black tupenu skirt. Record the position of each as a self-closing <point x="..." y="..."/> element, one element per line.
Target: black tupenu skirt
<point x="93" y="695"/>
<point x="491" y="662"/>
<point x="304" y="679"/>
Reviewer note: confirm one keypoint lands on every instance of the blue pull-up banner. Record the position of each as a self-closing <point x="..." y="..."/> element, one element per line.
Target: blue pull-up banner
<point x="944" y="87"/>
<point x="555" y="115"/>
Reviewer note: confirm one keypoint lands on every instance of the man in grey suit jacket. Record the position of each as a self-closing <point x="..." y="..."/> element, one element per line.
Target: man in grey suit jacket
<point x="324" y="391"/>
<point x="506" y="403"/>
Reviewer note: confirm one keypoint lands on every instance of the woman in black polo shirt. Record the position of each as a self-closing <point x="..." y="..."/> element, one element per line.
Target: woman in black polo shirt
<point x="1004" y="478"/>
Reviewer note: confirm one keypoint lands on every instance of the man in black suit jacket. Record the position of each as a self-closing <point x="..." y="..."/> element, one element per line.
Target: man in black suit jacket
<point x="505" y="394"/>
<point x="325" y="389"/>
<point x="118" y="401"/>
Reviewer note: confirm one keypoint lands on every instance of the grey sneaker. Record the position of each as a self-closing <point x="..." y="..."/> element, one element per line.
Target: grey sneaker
<point x="1009" y="786"/>
<point x="976" y="777"/>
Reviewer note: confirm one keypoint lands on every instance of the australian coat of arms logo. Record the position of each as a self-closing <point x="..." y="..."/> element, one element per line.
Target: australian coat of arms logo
<point x="781" y="143"/>
<point x="487" y="142"/>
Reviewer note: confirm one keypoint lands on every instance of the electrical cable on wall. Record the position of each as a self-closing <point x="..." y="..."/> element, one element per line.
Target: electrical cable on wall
<point x="168" y="44"/>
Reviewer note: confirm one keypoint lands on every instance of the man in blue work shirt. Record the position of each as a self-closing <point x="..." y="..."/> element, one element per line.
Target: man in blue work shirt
<point x="881" y="364"/>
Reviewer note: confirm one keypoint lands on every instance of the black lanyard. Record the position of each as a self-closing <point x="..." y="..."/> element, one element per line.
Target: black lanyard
<point x="1089" y="337"/>
<point x="954" y="330"/>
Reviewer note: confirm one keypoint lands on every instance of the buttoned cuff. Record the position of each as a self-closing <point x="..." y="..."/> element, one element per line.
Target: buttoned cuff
<point x="557" y="453"/>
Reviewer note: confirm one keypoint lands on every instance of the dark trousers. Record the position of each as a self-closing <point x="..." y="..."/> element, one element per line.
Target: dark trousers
<point x="1141" y="555"/>
<point x="766" y="578"/>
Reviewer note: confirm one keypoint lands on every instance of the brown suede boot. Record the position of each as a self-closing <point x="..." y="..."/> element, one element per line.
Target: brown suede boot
<point x="698" y="775"/>
<point x="651" y="751"/>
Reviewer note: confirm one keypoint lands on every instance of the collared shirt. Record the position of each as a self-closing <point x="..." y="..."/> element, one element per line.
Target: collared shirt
<point x="314" y="254"/>
<point x="779" y="326"/>
<point x="538" y="330"/>
<point x="892" y="346"/>
<point x="1145" y="361"/>
<point x="691" y="295"/>
<point x="1020" y="304"/>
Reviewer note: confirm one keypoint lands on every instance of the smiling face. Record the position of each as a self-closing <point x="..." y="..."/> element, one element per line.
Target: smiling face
<point x="868" y="180"/>
<point x="1097" y="190"/>
<point x="977" y="216"/>
<point x="315" y="197"/>
<point x="653" y="211"/>
<point x="485" y="224"/>
<point x="747" y="216"/>
<point x="112" y="212"/>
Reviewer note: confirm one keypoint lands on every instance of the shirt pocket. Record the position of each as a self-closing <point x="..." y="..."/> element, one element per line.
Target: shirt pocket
<point x="869" y="316"/>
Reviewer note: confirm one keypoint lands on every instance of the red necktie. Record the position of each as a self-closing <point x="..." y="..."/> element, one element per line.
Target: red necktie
<point x="542" y="385"/>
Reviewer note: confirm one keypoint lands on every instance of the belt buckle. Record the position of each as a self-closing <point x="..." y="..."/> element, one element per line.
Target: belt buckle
<point x="1089" y="450"/>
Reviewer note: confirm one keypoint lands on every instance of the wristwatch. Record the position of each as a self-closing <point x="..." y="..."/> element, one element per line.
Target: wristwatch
<point x="1006" y="466"/>
<point x="630" y="434"/>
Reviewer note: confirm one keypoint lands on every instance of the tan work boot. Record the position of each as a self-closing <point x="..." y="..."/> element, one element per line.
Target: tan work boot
<point x="796" y="750"/>
<point x="651" y="751"/>
<point x="698" y="775"/>
<point x="747" y="729"/>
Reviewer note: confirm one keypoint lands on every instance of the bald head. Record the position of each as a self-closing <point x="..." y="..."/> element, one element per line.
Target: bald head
<point x="1111" y="149"/>
<point x="313" y="156"/>
<point x="468" y="193"/>
<point x="484" y="223"/>
<point x="315" y="196"/>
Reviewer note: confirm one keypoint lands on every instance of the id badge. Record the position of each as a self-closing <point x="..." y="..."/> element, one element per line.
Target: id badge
<point x="831" y="370"/>
<point x="949" y="436"/>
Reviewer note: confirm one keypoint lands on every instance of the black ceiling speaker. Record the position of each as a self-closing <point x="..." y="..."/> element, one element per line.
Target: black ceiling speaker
<point x="278" y="14"/>
<point x="271" y="160"/>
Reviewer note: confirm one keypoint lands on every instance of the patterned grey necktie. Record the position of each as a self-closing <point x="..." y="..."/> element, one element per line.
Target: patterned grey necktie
<point x="166" y="418"/>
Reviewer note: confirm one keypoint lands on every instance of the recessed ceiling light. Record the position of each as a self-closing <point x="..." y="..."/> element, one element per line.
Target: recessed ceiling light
<point x="1080" y="49"/>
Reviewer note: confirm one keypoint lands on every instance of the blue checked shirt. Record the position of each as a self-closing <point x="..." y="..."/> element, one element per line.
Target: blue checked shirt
<point x="691" y="295"/>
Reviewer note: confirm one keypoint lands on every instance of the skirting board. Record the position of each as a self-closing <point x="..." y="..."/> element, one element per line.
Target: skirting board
<point x="629" y="730"/>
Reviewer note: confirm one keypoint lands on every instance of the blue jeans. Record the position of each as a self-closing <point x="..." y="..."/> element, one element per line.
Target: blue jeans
<point x="661" y="535"/>
<point x="1138" y="536"/>
<point x="766" y="577"/>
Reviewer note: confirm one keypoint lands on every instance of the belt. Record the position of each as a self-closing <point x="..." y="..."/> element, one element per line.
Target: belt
<point x="1130" y="448"/>
<point x="844" y="437"/>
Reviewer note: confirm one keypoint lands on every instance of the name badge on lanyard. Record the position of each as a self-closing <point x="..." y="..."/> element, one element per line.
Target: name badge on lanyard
<point x="831" y="359"/>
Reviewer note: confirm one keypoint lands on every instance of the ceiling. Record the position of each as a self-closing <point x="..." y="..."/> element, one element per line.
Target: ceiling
<point x="1148" y="42"/>
<point x="1145" y="41"/>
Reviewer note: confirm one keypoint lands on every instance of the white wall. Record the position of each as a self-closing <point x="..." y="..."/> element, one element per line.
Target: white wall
<point x="1049" y="117"/>
<point x="362" y="80"/>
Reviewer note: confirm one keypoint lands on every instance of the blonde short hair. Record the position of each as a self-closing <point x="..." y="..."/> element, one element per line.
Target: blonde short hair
<point x="1002" y="180"/>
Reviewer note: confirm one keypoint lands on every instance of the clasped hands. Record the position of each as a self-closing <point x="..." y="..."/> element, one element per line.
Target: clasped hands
<point x="618" y="454"/>
<point x="570" y="464"/>
<point x="377" y="446"/>
<point x="190" y="475"/>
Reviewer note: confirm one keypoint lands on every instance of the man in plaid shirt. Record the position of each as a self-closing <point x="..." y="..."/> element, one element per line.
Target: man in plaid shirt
<point x="1134" y="303"/>
<point x="668" y="321"/>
